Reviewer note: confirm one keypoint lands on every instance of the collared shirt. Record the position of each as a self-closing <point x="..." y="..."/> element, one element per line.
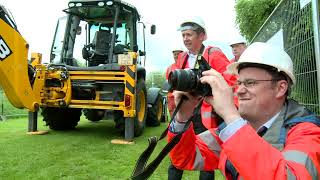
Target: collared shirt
<point x="192" y="58"/>
<point x="233" y="127"/>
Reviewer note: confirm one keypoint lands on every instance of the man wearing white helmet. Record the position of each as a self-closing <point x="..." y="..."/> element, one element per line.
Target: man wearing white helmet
<point x="269" y="137"/>
<point x="194" y="32"/>
<point x="238" y="46"/>
<point x="175" y="53"/>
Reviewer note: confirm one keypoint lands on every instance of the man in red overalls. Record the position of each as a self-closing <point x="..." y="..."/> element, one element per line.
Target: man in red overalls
<point x="194" y="33"/>
<point x="269" y="136"/>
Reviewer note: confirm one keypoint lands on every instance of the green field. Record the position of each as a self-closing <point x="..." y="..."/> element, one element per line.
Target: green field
<point x="84" y="153"/>
<point x="8" y="110"/>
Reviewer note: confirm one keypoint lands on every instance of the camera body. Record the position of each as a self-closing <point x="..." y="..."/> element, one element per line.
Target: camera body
<point x="188" y="80"/>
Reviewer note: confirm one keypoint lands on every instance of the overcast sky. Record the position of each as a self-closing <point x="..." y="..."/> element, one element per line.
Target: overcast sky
<point x="36" y="21"/>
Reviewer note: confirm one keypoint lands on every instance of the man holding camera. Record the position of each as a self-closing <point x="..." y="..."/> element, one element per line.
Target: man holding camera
<point x="194" y="33"/>
<point x="268" y="137"/>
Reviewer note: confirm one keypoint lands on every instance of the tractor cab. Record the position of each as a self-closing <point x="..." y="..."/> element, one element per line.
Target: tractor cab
<point x="94" y="32"/>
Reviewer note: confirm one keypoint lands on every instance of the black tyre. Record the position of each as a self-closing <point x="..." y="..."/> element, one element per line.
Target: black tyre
<point x="141" y="114"/>
<point x="141" y="108"/>
<point x="93" y="115"/>
<point x="61" y="118"/>
<point x="155" y="113"/>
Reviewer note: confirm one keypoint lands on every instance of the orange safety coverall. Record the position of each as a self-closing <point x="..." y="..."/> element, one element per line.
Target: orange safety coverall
<point x="255" y="157"/>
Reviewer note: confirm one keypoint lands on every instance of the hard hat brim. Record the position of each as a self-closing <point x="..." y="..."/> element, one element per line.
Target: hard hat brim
<point x="233" y="68"/>
<point x="244" y="43"/>
<point x="183" y="28"/>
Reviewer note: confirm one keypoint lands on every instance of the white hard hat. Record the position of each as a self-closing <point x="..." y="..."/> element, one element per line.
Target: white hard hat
<point x="196" y="20"/>
<point x="177" y="48"/>
<point x="238" y="40"/>
<point x="263" y="53"/>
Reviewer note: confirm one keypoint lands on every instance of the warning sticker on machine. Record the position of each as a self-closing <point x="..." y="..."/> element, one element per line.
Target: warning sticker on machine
<point x="125" y="59"/>
<point x="5" y="51"/>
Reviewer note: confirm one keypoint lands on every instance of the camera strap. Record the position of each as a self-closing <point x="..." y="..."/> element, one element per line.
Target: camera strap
<point x="198" y="56"/>
<point x="141" y="171"/>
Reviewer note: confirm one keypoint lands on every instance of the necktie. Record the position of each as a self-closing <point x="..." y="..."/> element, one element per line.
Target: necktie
<point x="262" y="131"/>
<point x="230" y="168"/>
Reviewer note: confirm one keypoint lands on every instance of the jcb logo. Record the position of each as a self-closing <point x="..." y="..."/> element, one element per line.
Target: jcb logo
<point x="4" y="49"/>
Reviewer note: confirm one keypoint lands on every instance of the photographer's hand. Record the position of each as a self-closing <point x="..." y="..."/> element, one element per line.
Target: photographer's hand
<point x="222" y="100"/>
<point x="188" y="105"/>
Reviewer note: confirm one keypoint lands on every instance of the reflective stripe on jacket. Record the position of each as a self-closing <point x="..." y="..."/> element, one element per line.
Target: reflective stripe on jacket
<point x="207" y="117"/>
<point x="256" y="157"/>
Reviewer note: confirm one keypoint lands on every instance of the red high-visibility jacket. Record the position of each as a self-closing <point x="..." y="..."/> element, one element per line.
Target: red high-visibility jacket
<point x="170" y="68"/>
<point x="256" y="157"/>
<point x="218" y="61"/>
<point x="233" y="60"/>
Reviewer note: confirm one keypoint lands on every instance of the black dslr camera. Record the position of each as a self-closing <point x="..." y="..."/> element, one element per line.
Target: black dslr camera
<point x="189" y="80"/>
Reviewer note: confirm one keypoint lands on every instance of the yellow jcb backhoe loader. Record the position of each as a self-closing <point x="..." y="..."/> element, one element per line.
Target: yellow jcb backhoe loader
<point x="96" y="64"/>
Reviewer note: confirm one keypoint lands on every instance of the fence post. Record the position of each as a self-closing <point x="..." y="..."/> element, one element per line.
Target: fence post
<point x="316" y="22"/>
<point x="2" y="117"/>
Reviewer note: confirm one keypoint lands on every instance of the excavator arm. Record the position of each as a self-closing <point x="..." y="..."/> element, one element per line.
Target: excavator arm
<point x="14" y="78"/>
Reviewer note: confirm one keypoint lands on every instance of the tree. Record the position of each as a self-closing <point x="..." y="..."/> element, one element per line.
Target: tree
<point x="250" y="15"/>
<point x="155" y="79"/>
<point x="296" y="25"/>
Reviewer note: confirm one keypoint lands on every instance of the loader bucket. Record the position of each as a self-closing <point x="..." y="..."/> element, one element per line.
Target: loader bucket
<point x="14" y="68"/>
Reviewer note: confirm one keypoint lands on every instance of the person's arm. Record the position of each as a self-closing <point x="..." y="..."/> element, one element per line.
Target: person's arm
<point x="192" y="152"/>
<point x="219" y="62"/>
<point x="196" y="152"/>
<point x="217" y="59"/>
<point x="299" y="159"/>
<point x="202" y="151"/>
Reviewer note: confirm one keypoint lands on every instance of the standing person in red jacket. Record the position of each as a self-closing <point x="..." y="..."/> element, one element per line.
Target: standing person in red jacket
<point x="238" y="46"/>
<point x="175" y="52"/>
<point x="194" y="33"/>
<point x="269" y="137"/>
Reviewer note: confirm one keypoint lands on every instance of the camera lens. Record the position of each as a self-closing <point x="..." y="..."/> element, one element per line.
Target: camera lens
<point x="183" y="80"/>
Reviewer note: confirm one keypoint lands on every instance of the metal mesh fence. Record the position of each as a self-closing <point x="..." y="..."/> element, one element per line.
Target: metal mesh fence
<point x="9" y="111"/>
<point x="294" y="21"/>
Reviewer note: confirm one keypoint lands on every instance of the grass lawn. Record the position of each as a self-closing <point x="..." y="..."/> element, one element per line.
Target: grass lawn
<point x="84" y="153"/>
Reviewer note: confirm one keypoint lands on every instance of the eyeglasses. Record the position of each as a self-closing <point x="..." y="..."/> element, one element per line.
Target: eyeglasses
<point x="251" y="82"/>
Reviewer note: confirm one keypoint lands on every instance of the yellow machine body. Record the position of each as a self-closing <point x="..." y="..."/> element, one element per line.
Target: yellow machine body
<point x="61" y="96"/>
<point x="14" y="68"/>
